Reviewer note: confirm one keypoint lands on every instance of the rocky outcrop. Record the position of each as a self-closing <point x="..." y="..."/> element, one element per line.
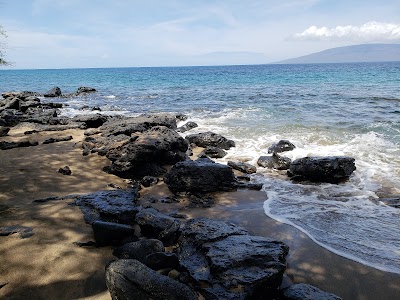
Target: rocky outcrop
<point x="274" y="161"/>
<point x="281" y="146"/>
<point x="304" y="291"/>
<point x="54" y="92"/>
<point x="230" y="263"/>
<point x="207" y="139"/>
<point x="11" y="145"/>
<point x="200" y="176"/>
<point x="91" y="121"/>
<point x="129" y="279"/>
<point x="242" y="167"/>
<point x="188" y="126"/>
<point x="332" y="169"/>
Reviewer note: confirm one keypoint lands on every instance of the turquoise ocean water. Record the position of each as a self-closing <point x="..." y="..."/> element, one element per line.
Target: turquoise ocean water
<point x="324" y="109"/>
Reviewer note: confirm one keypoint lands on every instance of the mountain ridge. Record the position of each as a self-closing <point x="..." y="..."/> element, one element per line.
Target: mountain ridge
<point x="348" y="54"/>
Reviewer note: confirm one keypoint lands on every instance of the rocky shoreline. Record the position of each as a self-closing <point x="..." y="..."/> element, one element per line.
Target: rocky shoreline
<point x="168" y="256"/>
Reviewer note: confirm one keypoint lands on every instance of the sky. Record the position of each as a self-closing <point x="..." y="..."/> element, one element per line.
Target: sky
<point x="123" y="33"/>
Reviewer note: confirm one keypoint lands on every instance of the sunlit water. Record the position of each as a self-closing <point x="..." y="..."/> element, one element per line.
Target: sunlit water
<point x="330" y="109"/>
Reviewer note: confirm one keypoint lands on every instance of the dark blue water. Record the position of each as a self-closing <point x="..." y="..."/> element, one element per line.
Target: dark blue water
<point x="324" y="109"/>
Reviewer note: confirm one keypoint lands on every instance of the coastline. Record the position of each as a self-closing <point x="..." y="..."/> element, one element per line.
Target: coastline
<point x="49" y="265"/>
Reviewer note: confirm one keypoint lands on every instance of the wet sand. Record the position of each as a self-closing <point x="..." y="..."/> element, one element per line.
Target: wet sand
<point x="49" y="266"/>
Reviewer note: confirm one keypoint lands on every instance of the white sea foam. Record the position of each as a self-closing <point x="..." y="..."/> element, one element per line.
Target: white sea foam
<point x="110" y="97"/>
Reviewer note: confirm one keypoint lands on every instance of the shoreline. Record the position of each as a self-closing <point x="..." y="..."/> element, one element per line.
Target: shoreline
<point x="57" y="225"/>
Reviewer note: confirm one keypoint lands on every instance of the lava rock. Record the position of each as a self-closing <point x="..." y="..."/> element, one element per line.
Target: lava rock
<point x="11" y="145"/>
<point x="91" y="121"/>
<point x="56" y="140"/>
<point x="54" y="92"/>
<point x="23" y="231"/>
<point x="129" y="279"/>
<point x="162" y="260"/>
<point x="139" y="250"/>
<point x="85" y="89"/>
<point x="332" y="169"/>
<point x="200" y="176"/>
<point x="149" y="181"/>
<point x="65" y="170"/>
<point x="188" y="126"/>
<point x="207" y="139"/>
<point x="107" y="233"/>
<point x="212" y="152"/>
<point x="302" y="291"/>
<point x="274" y="161"/>
<point x="4" y="131"/>
<point x="281" y="146"/>
<point x="157" y="225"/>
<point x="114" y="206"/>
<point x="242" y="167"/>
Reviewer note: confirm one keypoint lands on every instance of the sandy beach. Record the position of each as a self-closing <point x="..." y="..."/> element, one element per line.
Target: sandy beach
<point x="49" y="265"/>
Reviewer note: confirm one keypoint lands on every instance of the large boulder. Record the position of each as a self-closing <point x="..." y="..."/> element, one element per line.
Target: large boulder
<point x="158" y="145"/>
<point x="202" y="175"/>
<point x="112" y="206"/>
<point x="332" y="169"/>
<point x="209" y="138"/>
<point x="274" y="161"/>
<point x="139" y="250"/>
<point x="228" y="262"/>
<point x="129" y="279"/>
<point x="108" y="233"/>
<point x="304" y="291"/>
<point x="281" y="146"/>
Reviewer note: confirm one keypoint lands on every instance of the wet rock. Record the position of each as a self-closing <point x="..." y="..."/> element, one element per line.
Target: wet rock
<point x="212" y="152"/>
<point x="242" y="167"/>
<point x="20" y="95"/>
<point x="249" y="186"/>
<point x="274" y="161"/>
<point x="207" y="139"/>
<point x="188" y="126"/>
<point x="157" y="225"/>
<point x="28" y="103"/>
<point x="11" y="145"/>
<point x="181" y="117"/>
<point x="393" y="201"/>
<point x="54" y="92"/>
<point x="85" y="89"/>
<point x="59" y="139"/>
<point x="10" y="117"/>
<point x="332" y="169"/>
<point x="4" y="131"/>
<point x="304" y="291"/>
<point x="200" y="176"/>
<point x="139" y="250"/>
<point x="162" y="260"/>
<point x="149" y="181"/>
<point x="65" y="170"/>
<point x="281" y="146"/>
<point x="201" y="200"/>
<point x="107" y="233"/>
<point x="23" y="231"/>
<point x="158" y="145"/>
<point x="128" y="279"/>
<point x="114" y="206"/>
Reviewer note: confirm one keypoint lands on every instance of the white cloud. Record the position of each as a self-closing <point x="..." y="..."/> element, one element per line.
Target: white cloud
<point x="369" y="32"/>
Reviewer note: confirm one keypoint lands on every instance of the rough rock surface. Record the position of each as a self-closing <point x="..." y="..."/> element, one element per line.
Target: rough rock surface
<point x="332" y="169"/>
<point x="11" y="145"/>
<point x="281" y="146"/>
<point x="54" y="92"/>
<point x="57" y="139"/>
<point x="274" y="161"/>
<point x="230" y="263"/>
<point x="188" y="126"/>
<point x="4" y="131"/>
<point x="212" y="152"/>
<point x="113" y="206"/>
<point x="23" y="231"/>
<point x="91" y="121"/>
<point x="207" y="139"/>
<point x="65" y="170"/>
<point x="139" y="250"/>
<point x="129" y="279"/>
<point x="242" y="167"/>
<point x="304" y="291"/>
<point x="202" y="175"/>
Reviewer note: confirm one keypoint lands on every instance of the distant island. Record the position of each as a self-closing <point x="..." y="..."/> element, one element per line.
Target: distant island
<point x="355" y="53"/>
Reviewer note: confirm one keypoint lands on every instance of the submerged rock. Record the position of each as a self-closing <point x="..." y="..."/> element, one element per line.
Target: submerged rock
<point x="332" y="169"/>
<point x="207" y="139"/>
<point x="281" y="146"/>
<point x="274" y="161"/>
<point x="302" y="291"/>
<point x="202" y="175"/>
<point x="128" y="279"/>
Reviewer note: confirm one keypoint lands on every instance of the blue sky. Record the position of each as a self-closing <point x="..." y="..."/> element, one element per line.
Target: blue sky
<point x="122" y="33"/>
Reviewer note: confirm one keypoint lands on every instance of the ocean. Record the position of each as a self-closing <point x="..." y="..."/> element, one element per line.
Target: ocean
<point x="324" y="109"/>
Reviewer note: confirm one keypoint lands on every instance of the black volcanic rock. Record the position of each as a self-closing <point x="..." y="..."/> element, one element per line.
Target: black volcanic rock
<point x="188" y="126"/>
<point x="108" y="233"/>
<point x="302" y="291"/>
<point x="206" y="139"/>
<point x="212" y="152"/>
<point x="139" y="250"/>
<point x="54" y="92"/>
<point x="281" y="146"/>
<point x="332" y="169"/>
<point x="242" y="167"/>
<point x="274" y="161"/>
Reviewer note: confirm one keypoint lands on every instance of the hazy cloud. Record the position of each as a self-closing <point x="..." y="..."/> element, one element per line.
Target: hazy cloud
<point x="369" y="32"/>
